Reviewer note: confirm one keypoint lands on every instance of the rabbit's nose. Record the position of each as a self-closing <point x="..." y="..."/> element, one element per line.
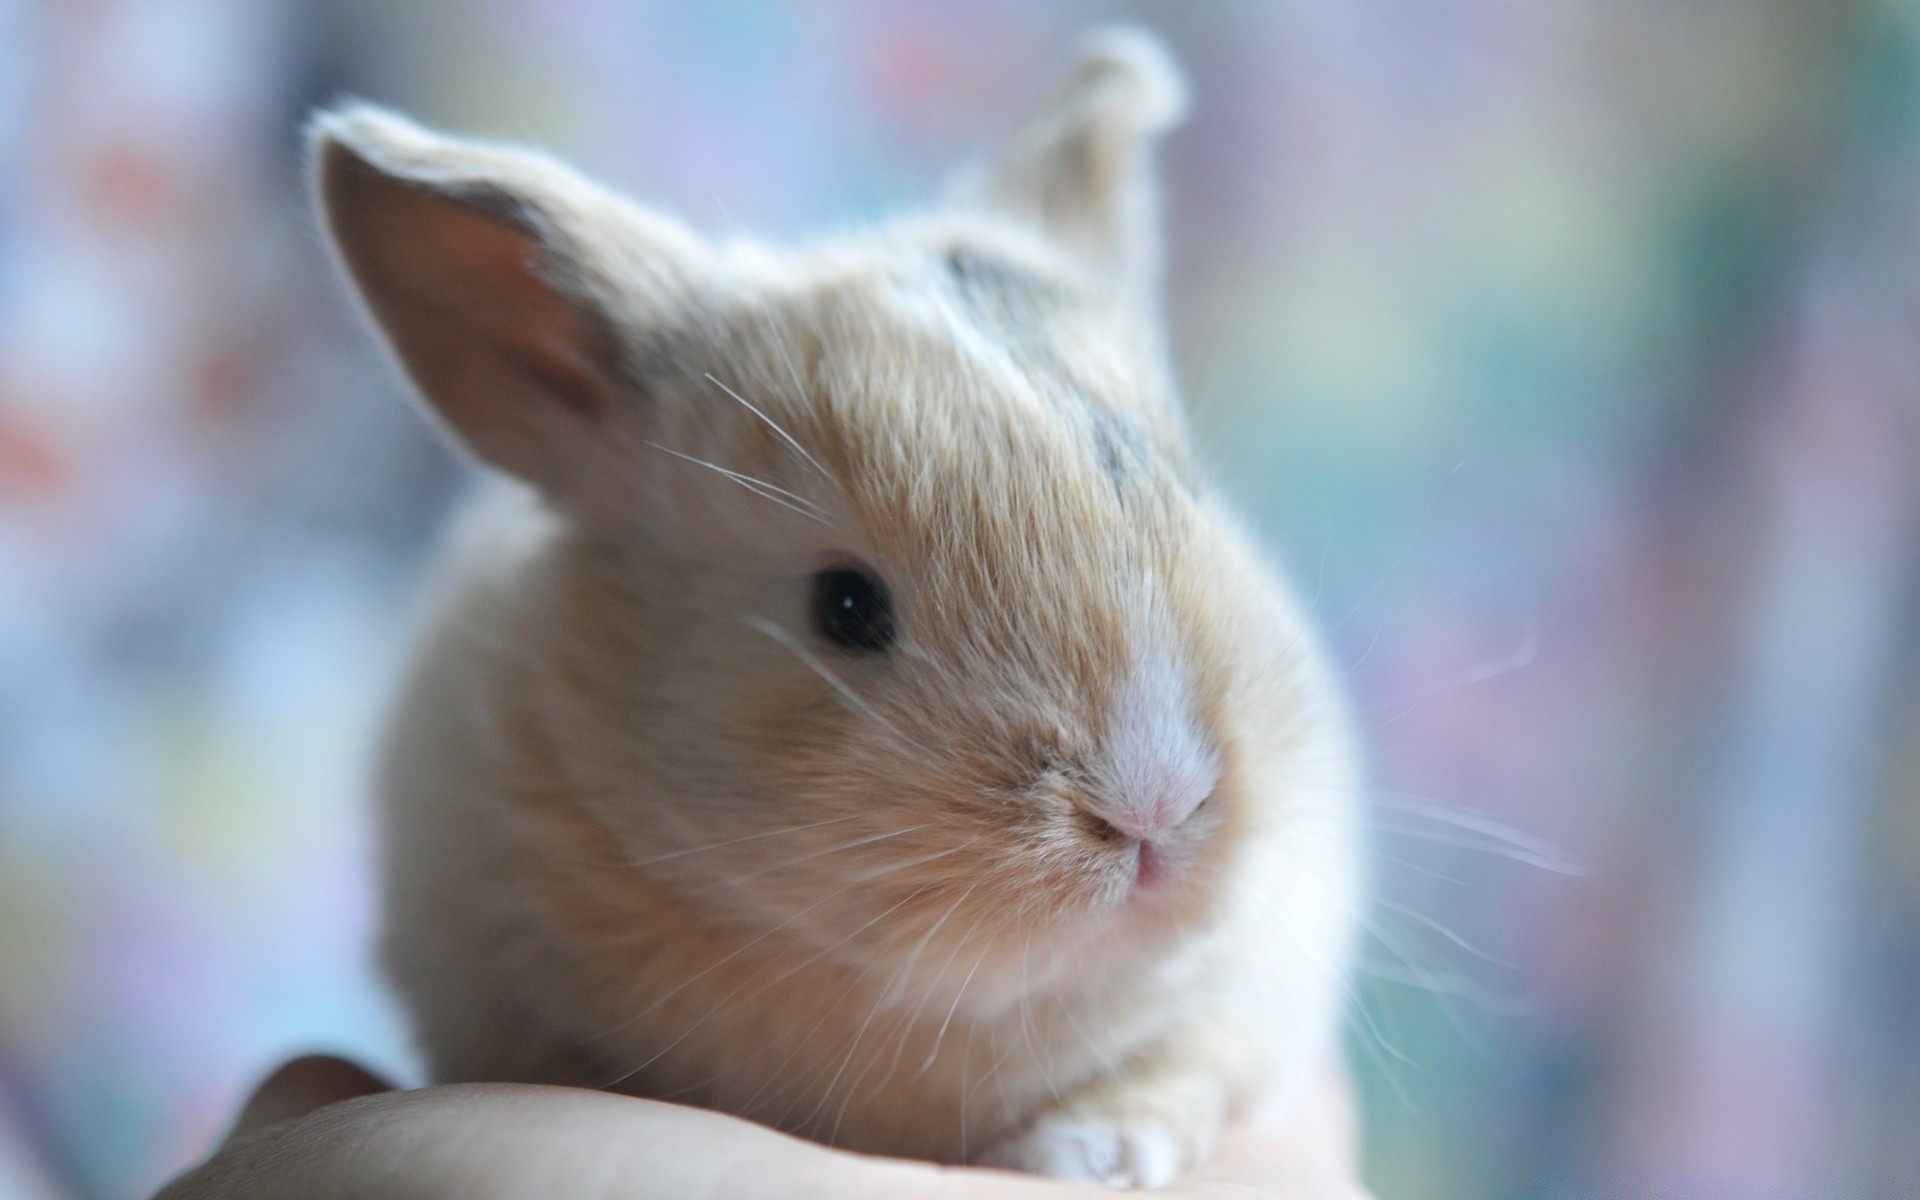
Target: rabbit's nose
<point x="1158" y="764"/>
<point x="1151" y="817"/>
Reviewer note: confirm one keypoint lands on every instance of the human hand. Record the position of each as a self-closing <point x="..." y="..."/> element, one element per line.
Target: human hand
<point x="324" y="1127"/>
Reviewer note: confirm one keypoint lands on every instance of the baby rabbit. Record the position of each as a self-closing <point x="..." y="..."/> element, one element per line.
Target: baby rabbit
<point x="850" y="709"/>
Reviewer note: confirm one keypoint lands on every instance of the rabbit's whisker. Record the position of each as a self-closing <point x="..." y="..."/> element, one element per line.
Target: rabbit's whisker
<point x="774" y="425"/>
<point x="759" y="487"/>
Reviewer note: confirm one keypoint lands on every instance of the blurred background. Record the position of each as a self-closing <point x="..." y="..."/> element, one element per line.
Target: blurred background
<point x="1568" y="351"/>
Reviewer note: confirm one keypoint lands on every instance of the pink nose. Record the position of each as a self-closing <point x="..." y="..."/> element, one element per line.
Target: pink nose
<point x="1147" y="818"/>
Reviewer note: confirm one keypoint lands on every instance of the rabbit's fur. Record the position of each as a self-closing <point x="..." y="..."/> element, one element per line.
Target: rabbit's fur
<point x="645" y="829"/>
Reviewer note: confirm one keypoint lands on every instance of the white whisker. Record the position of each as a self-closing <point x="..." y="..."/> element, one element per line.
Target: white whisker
<point x="1444" y="984"/>
<point x="913" y="1018"/>
<point x="759" y="487"/>
<point x="774" y="425"/>
<point x="720" y="1006"/>
<point x="934" y="1054"/>
<point x="1443" y="931"/>
<point x="1442" y="997"/>
<point x="895" y="868"/>
<point x="751" y="837"/>
<point x="1519" y="839"/>
<point x="794" y="862"/>
<point x="1026" y="1029"/>
<point x="851" y="697"/>
<point x="1553" y="863"/>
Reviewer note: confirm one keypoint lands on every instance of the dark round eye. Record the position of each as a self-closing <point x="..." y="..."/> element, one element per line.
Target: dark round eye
<point x="851" y="609"/>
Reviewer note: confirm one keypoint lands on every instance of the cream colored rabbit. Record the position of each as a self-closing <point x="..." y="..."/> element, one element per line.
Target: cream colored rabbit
<point x="850" y="710"/>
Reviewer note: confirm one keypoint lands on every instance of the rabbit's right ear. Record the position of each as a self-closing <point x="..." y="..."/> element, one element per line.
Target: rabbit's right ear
<point x="510" y="288"/>
<point x="1081" y="166"/>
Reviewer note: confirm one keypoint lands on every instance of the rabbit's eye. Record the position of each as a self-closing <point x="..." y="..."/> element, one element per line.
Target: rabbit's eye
<point x="851" y="609"/>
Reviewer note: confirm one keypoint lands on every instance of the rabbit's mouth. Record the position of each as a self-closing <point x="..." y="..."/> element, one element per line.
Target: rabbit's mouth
<point x="1151" y="867"/>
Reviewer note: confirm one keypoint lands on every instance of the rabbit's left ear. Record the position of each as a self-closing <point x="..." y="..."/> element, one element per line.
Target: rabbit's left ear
<point x="1081" y="166"/>
<point x="509" y="288"/>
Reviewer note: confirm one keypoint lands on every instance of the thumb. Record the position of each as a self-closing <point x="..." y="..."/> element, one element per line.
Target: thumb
<point x="300" y="1087"/>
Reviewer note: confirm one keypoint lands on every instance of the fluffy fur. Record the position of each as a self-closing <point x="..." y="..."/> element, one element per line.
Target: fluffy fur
<point x="1062" y="879"/>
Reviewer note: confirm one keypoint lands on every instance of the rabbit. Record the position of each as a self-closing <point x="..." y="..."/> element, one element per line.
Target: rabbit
<point x="847" y="706"/>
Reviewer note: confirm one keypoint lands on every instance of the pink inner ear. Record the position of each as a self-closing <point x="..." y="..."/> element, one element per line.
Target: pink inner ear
<point x="464" y="295"/>
<point x="550" y="353"/>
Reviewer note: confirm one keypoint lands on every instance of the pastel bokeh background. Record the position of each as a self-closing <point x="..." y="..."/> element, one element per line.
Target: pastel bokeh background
<point x="1567" y="350"/>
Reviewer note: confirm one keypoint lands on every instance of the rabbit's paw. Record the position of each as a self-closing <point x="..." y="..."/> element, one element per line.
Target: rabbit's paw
<point x="1139" y="1152"/>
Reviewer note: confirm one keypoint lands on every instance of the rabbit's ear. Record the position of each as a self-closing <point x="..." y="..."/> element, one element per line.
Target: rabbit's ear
<point x="1081" y="166"/>
<point x="509" y="287"/>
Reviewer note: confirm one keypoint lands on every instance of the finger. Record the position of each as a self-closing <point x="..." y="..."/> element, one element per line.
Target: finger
<point x="300" y="1087"/>
<point x="516" y="1142"/>
<point x="509" y="1142"/>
